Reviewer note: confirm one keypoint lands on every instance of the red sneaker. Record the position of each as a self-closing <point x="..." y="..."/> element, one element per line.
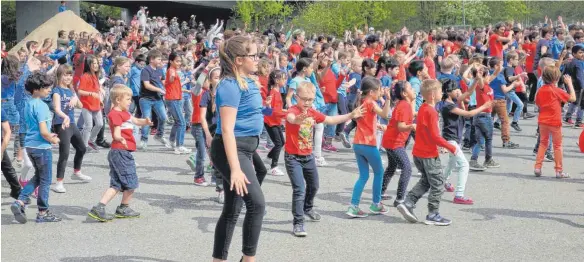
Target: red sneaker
<point x="201" y="181"/>
<point x="153" y="131"/>
<point x="463" y="200"/>
<point x="449" y="187"/>
<point x="329" y="148"/>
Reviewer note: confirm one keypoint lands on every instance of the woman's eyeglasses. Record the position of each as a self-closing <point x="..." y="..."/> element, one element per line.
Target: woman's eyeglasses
<point x="252" y="56"/>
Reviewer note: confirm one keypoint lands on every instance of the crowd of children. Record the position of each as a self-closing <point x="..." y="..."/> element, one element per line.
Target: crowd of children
<point x="236" y="89"/>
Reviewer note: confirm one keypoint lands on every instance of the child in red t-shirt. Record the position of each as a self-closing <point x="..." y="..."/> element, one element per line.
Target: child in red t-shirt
<point x="300" y="163"/>
<point x="273" y="123"/>
<point x="123" y="168"/>
<point x="365" y="146"/>
<point x="174" y="102"/>
<point x="427" y="158"/>
<point x="549" y="99"/>
<point x="394" y="140"/>
<point x="90" y="95"/>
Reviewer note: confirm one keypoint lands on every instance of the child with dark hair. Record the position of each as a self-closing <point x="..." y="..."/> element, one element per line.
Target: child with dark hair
<point x="273" y="123"/>
<point x="90" y="95"/>
<point x="500" y="88"/>
<point x="419" y="72"/>
<point x="38" y="146"/>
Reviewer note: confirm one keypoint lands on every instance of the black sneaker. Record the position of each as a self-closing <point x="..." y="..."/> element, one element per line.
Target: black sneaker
<point x="475" y="166"/>
<point x="515" y="126"/>
<point x="345" y="140"/>
<point x="299" y="230"/>
<point x="497" y="126"/>
<point x="491" y="164"/>
<point x="397" y="202"/>
<point x="549" y="157"/>
<point x="104" y="144"/>
<point x="99" y="214"/>
<point x="315" y="217"/>
<point x="466" y="148"/>
<point x="437" y="220"/>
<point x="47" y="217"/>
<point x="510" y="145"/>
<point x="407" y="212"/>
<point x="126" y="212"/>
<point x="19" y="212"/>
<point x="528" y="115"/>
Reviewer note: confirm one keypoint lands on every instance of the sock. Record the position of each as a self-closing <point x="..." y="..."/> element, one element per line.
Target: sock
<point x="75" y="171"/>
<point x="124" y="205"/>
<point x="100" y="205"/>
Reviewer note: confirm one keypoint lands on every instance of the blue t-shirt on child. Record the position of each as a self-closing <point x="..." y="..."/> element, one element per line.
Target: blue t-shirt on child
<point x="35" y="112"/>
<point x="497" y="86"/>
<point x="249" y="120"/>
<point x="66" y="96"/>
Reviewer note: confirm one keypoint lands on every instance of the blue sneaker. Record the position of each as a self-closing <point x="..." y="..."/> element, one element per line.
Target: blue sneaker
<point x="437" y="220"/>
<point x="47" y="217"/>
<point x="19" y="212"/>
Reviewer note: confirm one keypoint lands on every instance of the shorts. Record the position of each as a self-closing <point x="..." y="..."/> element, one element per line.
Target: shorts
<point x="122" y="170"/>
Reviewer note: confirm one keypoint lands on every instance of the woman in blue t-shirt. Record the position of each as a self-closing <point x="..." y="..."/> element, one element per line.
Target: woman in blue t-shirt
<point x="64" y="103"/>
<point x="239" y="125"/>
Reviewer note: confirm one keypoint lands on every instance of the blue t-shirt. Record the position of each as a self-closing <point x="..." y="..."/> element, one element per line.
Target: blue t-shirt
<point x="134" y="79"/>
<point x="249" y="120"/>
<point x="416" y="86"/>
<point x="35" y="112"/>
<point x="497" y="86"/>
<point x="3" y="116"/>
<point x="8" y="87"/>
<point x="353" y="89"/>
<point x="66" y="96"/>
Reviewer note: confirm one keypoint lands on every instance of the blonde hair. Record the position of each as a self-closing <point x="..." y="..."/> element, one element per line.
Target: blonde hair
<point x="551" y="74"/>
<point x="236" y="46"/>
<point x="447" y="64"/>
<point x="546" y="61"/>
<point x="429" y="87"/>
<point x="263" y="67"/>
<point x="120" y="60"/>
<point x="306" y="86"/>
<point x="119" y="91"/>
<point x="356" y="62"/>
<point x="63" y="70"/>
<point x="429" y="48"/>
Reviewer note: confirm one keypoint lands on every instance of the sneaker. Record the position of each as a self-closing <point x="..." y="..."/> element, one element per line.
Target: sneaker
<point x="515" y="126"/>
<point x="126" y="212"/>
<point x="143" y="145"/>
<point x="475" y="166"/>
<point x="561" y="174"/>
<point x="59" y="188"/>
<point x="276" y="172"/>
<point x="192" y="164"/>
<point x="19" y="212"/>
<point x="91" y="146"/>
<point x="378" y="209"/>
<point x="569" y="121"/>
<point x="163" y="141"/>
<point x="448" y="187"/>
<point x="153" y="131"/>
<point x="578" y="125"/>
<point x="314" y="217"/>
<point x="47" y="217"/>
<point x="397" y="202"/>
<point x="220" y="197"/>
<point x="355" y="212"/>
<point x="466" y="149"/>
<point x="201" y="181"/>
<point x="329" y="148"/>
<point x="385" y="196"/>
<point x="181" y="150"/>
<point x="408" y="213"/>
<point x="497" y="126"/>
<point x="462" y="200"/>
<point x="338" y="138"/>
<point x="104" y="144"/>
<point x="537" y="172"/>
<point x="345" y="140"/>
<point x="320" y="161"/>
<point x="299" y="230"/>
<point x="528" y="115"/>
<point x="549" y="157"/>
<point x="491" y="164"/>
<point x="99" y="214"/>
<point x="80" y="176"/>
<point x="510" y="145"/>
<point x="437" y="220"/>
<point x="209" y="168"/>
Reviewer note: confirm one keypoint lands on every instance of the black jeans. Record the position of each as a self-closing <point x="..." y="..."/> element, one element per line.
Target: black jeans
<point x="299" y="169"/>
<point x="69" y="136"/>
<point x="397" y="157"/>
<point x="531" y="86"/>
<point x="254" y="199"/>
<point x="277" y="136"/>
<point x="10" y="175"/>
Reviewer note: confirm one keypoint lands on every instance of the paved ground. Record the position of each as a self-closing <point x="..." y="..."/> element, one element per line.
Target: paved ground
<point x="517" y="217"/>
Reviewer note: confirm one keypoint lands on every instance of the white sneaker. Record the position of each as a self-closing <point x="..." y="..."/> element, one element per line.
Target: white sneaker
<point x="184" y="150"/>
<point x="80" y="176"/>
<point x="163" y="141"/>
<point x="320" y="161"/>
<point x="143" y="145"/>
<point x="59" y="188"/>
<point x="276" y="172"/>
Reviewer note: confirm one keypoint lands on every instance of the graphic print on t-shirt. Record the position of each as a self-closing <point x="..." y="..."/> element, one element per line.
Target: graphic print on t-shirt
<point x="305" y="134"/>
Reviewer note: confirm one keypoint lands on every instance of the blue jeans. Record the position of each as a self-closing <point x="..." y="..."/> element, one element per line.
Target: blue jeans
<point x="343" y="106"/>
<point x="483" y="132"/>
<point x="199" y="136"/>
<point x="42" y="160"/>
<point x="301" y="169"/>
<point x="367" y="155"/>
<point x="331" y="110"/>
<point x="146" y="106"/>
<point x="188" y="108"/>
<point x="177" y="132"/>
<point x="513" y="98"/>
<point x="574" y="107"/>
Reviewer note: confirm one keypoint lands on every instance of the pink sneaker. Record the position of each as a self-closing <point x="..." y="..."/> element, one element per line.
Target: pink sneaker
<point x="329" y="148"/>
<point x="449" y="187"/>
<point x="463" y="200"/>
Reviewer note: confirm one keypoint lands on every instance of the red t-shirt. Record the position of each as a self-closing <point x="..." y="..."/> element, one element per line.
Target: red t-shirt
<point x="484" y="95"/>
<point x="447" y="48"/>
<point x="299" y="137"/>
<point x="428" y="137"/>
<point x="330" y="84"/>
<point x="401" y="75"/>
<point x="520" y="88"/>
<point x="495" y="46"/>
<point x="196" y="117"/>
<point x="455" y="48"/>
<point x="277" y="106"/>
<point x="295" y="49"/>
<point x="173" y="90"/>
<point x="377" y="52"/>
<point x="393" y="138"/>
<point x="89" y="83"/>
<point x="530" y="56"/>
<point x="123" y="119"/>
<point x="548" y="99"/>
<point x="404" y="48"/>
<point x="367" y="125"/>
<point x="429" y="62"/>
<point x="367" y="53"/>
<point x="263" y="86"/>
<point x="581" y="142"/>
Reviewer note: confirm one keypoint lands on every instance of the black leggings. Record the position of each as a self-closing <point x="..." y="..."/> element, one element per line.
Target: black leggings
<point x="523" y="97"/>
<point x="277" y="136"/>
<point x="254" y="199"/>
<point x="69" y="136"/>
<point x="532" y="86"/>
<point x="10" y="175"/>
<point x="397" y="158"/>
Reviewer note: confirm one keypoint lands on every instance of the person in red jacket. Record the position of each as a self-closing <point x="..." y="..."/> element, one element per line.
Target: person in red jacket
<point x="329" y="84"/>
<point x="427" y="158"/>
<point x="273" y="123"/>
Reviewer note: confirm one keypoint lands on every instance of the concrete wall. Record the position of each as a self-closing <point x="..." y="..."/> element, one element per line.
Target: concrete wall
<point x="31" y="14"/>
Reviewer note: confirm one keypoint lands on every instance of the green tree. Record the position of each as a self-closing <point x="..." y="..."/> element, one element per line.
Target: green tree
<point x="9" y="23"/>
<point x="259" y="14"/>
